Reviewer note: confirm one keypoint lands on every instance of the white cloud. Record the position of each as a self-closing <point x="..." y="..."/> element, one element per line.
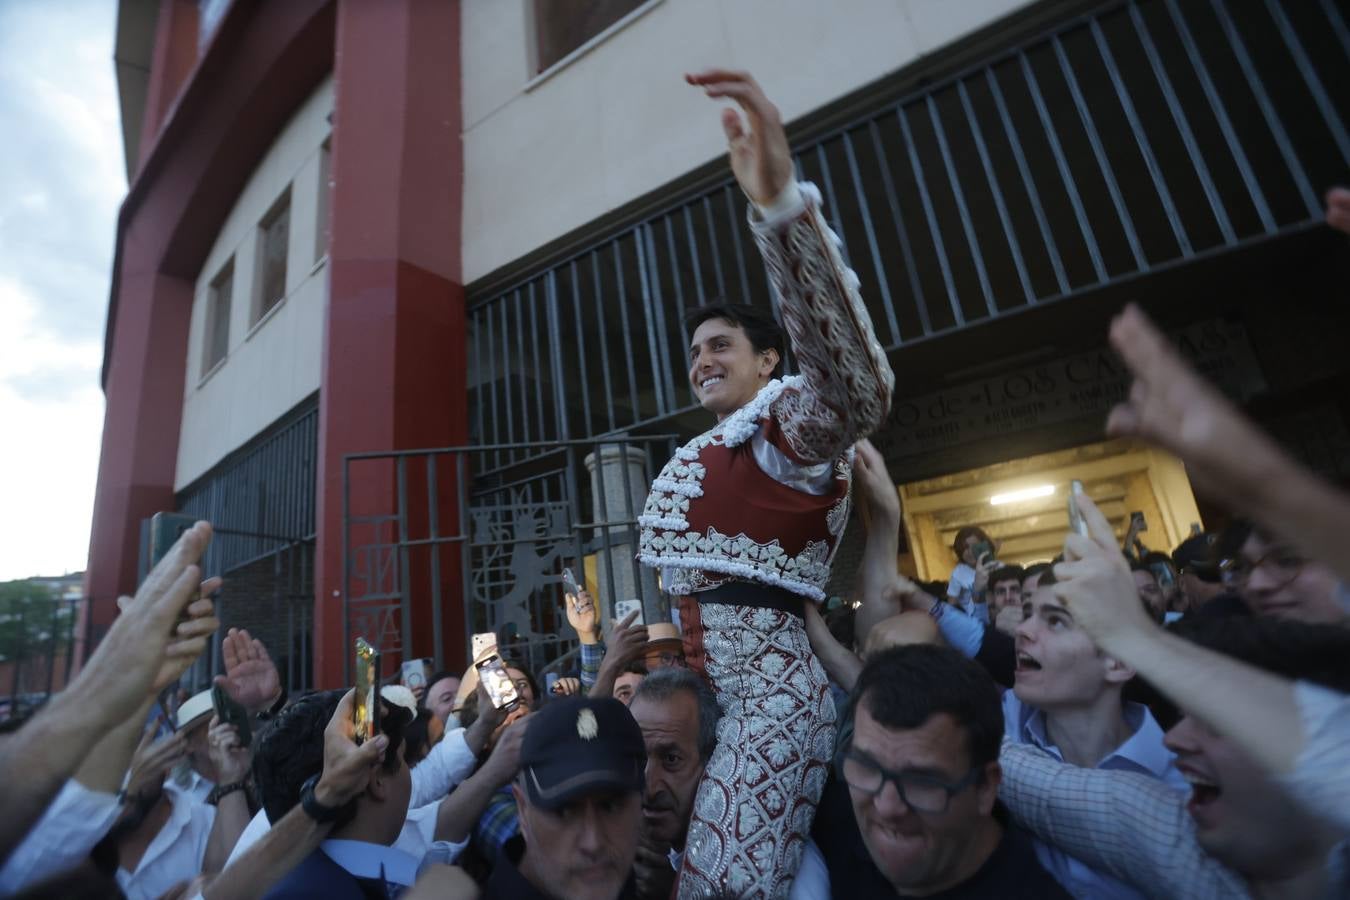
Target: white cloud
<point x="61" y="180"/>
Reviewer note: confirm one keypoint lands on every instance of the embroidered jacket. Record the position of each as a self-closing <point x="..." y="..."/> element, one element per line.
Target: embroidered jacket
<point x="763" y="495"/>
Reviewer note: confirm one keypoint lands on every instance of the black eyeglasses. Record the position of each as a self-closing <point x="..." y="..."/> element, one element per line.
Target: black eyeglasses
<point x="922" y="793"/>
<point x="1282" y="566"/>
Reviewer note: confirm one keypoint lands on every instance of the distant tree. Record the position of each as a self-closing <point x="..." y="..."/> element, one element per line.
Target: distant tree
<point x="33" y="620"/>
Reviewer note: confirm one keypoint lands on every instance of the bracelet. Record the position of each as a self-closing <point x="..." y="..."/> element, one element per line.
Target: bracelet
<point x="222" y="790"/>
<point x="313" y="808"/>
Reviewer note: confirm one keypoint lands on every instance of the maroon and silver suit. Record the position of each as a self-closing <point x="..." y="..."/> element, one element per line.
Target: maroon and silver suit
<point x="743" y="522"/>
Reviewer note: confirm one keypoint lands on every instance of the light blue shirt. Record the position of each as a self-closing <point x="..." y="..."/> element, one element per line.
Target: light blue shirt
<point x="1141" y="752"/>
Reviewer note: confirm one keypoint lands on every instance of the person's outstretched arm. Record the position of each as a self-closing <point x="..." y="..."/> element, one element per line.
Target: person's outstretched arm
<point x="1256" y="709"/>
<point x="346" y="772"/>
<point x="1225" y="453"/>
<point x="847" y="381"/>
<point x="1127" y="824"/>
<point x="145" y="649"/>
<point x="879" y="582"/>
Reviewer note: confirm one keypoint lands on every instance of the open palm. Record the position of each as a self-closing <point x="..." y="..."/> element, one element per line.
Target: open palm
<point x="251" y="678"/>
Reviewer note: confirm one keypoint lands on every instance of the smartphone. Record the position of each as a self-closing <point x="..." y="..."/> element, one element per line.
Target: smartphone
<point x="1137" y="522"/>
<point x="165" y="530"/>
<point x="231" y="713"/>
<point x="570" y="587"/>
<point x="501" y="690"/>
<point x="1077" y="523"/>
<point x="550" y="679"/>
<point x="983" y="551"/>
<point x="483" y="642"/>
<point x="364" y="710"/>
<point x="1163" y="572"/>
<point x="415" y="673"/>
<point x="623" y="607"/>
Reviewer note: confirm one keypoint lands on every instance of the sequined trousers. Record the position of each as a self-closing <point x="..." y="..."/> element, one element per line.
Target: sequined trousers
<point x="753" y="809"/>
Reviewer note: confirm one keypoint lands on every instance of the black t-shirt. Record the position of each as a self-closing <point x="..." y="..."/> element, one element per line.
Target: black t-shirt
<point x="1011" y="871"/>
<point x="506" y="882"/>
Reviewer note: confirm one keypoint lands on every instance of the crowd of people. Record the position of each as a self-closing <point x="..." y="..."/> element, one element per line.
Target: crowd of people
<point x="1111" y="723"/>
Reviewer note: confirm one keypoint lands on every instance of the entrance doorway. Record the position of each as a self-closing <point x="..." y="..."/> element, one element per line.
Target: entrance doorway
<point x="1021" y="503"/>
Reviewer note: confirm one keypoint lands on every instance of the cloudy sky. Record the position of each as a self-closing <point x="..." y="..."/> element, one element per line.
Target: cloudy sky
<point x="61" y="179"/>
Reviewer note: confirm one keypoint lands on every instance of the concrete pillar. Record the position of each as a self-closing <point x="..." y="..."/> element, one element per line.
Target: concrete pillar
<point x="619" y="486"/>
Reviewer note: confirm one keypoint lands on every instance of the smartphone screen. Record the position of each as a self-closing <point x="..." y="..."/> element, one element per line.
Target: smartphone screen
<point x="1077" y="523"/>
<point x="367" y="678"/>
<point x="231" y="713"/>
<point x="501" y="690"/>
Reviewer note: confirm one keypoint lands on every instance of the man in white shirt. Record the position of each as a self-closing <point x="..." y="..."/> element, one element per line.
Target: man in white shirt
<point x="173" y="834"/>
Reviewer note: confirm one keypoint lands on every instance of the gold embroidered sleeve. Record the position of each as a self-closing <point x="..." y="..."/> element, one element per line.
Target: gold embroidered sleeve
<point x="846" y="379"/>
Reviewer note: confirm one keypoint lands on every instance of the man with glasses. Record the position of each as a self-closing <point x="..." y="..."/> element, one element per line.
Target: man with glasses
<point x="1275" y="580"/>
<point x="923" y="775"/>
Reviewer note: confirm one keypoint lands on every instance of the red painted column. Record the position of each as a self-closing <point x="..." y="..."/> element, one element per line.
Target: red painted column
<point x="141" y="423"/>
<point x="176" y="38"/>
<point x="394" y="345"/>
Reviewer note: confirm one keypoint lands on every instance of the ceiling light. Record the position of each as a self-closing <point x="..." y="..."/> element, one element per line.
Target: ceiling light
<point x="1040" y="490"/>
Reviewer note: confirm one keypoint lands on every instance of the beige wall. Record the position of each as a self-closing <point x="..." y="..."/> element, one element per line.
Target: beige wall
<point x="274" y="364"/>
<point x="619" y="121"/>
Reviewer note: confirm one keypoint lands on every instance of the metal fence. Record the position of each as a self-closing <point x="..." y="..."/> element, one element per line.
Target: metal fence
<point x="448" y="531"/>
<point x="1143" y="136"/>
<point x="36" y="645"/>
<point x="261" y="503"/>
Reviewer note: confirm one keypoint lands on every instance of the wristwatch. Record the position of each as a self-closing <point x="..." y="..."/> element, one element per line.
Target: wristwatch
<point x="222" y="790"/>
<point x="313" y="808"/>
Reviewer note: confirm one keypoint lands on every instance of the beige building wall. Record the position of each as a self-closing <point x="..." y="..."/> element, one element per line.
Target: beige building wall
<point x="544" y="155"/>
<point x="273" y="364"/>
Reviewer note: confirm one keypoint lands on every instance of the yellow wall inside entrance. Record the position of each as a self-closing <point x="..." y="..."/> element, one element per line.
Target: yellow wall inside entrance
<point x="1119" y="476"/>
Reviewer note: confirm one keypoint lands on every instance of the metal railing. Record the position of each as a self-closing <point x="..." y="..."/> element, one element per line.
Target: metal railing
<point x="261" y="502"/>
<point x="489" y="542"/>
<point x="1144" y="135"/>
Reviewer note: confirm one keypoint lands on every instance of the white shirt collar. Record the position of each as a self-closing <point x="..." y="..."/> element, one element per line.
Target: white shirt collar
<point x="374" y="861"/>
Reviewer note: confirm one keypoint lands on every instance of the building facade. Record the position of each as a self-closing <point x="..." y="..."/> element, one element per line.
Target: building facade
<point x="399" y="286"/>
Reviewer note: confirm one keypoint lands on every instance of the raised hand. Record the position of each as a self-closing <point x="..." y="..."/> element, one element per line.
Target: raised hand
<point x="232" y="761"/>
<point x="984" y="567"/>
<point x="504" y="761"/>
<point x="251" y="678"/>
<point x="566" y="687"/>
<point x="152" y="761"/>
<point x="347" y="767"/>
<point x="626" y="641"/>
<point x="1338" y="209"/>
<point x="760" y="157"/>
<point x="1095" y="584"/>
<point x="1170" y="405"/>
<point x="1008" y="619"/>
<point x="582" y="616"/>
<point x="147" y="646"/>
